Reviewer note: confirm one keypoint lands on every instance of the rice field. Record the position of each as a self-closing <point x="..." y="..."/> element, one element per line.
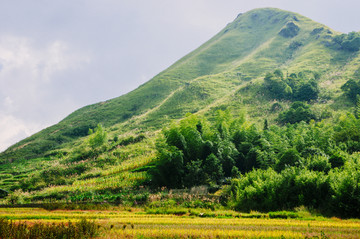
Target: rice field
<point x="135" y="223"/>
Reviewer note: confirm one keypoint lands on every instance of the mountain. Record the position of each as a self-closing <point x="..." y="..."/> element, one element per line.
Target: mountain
<point x="225" y="72"/>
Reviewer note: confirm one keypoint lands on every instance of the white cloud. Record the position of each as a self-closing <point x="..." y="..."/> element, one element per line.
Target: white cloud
<point x="8" y="103"/>
<point x="20" y="59"/>
<point x="14" y="129"/>
<point x="27" y="73"/>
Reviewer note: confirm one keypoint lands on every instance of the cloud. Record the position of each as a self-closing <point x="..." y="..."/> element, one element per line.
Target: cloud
<point x="27" y="73"/>
<point x="20" y="59"/>
<point x="14" y="129"/>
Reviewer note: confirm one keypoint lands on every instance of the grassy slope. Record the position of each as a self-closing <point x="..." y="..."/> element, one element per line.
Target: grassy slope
<point x="223" y="72"/>
<point x="238" y="40"/>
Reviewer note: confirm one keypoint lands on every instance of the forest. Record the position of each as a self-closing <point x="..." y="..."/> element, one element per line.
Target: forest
<point x="300" y="160"/>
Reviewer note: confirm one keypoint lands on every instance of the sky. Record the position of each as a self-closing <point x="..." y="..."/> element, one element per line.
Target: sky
<point x="57" y="56"/>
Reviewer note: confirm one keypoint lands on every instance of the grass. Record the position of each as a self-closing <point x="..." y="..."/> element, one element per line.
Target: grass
<point x="118" y="222"/>
<point x="22" y="230"/>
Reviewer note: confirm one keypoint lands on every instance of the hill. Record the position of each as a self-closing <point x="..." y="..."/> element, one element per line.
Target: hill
<point x="234" y="70"/>
<point x="243" y="51"/>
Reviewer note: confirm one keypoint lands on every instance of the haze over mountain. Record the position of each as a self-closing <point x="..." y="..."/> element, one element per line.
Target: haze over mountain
<point x="225" y="72"/>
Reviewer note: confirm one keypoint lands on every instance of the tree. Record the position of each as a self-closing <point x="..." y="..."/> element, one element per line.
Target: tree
<point x="298" y="112"/>
<point x="275" y="84"/>
<point x="351" y="89"/>
<point x="266" y="125"/>
<point x="307" y="91"/>
<point x="195" y="174"/>
<point x="213" y="169"/>
<point x="289" y="158"/>
<point x="279" y="73"/>
<point x="169" y="169"/>
<point x="97" y="138"/>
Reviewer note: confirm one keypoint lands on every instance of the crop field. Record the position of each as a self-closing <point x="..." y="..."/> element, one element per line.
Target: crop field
<point x="136" y="223"/>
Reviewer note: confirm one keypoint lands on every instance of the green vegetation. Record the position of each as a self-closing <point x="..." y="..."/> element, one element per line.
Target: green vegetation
<point x="256" y="138"/>
<point x="97" y="138"/>
<point x="315" y="164"/>
<point x="290" y="30"/>
<point x="293" y="87"/>
<point x="298" y="112"/>
<point x="349" y="42"/>
<point x="352" y="89"/>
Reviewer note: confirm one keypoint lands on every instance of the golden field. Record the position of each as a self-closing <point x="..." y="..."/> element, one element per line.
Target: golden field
<point x="135" y="223"/>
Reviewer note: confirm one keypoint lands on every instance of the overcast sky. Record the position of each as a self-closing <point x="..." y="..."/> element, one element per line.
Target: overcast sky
<point x="59" y="55"/>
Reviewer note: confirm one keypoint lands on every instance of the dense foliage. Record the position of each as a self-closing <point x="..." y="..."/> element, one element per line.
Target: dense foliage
<point x="351" y="89"/>
<point x="298" y="87"/>
<point x="332" y="191"/>
<point x="349" y="42"/>
<point x="311" y="164"/>
<point x="290" y="30"/>
<point x="297" y="112"/>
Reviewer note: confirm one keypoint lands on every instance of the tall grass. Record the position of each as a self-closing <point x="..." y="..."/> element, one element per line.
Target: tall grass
<point x="22" y="230"/>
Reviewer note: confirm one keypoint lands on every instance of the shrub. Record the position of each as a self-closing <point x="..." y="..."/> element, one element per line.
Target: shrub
<point x="266" y="190"/>
<point x="313" y="188"/>
<point x="319" y="163"/>
<point x="351" y="89"/>
<point x="290" y="30"/>
<point x="298" y="112"/>
<point x="283" y="214"/>
<point x="255" y="191"/>
<point x="17" y="197"/>
<point x="97" y="138"/>
<point x="276" y="107"/>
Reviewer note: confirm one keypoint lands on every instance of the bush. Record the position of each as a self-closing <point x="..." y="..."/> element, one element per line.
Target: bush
<point x="351" y="89"/>
<point x="349" y="42"/>
<point x="266" y="190"/>
<point x="298" y="112"/>
<point x="302" y="86"/>
<point x="313" y="189"/>
<point x="97" y="138"/>
<point x="283" y="215"/>
<point x="276" y="107"/>
<point x="17" y="197"/>
<point x="257" y="190"/>
<point x="290" y="30"/>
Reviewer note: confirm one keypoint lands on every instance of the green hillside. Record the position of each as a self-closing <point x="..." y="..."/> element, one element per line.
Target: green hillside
<point x="233" y="71"/>
<point x="243" y="51"/>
